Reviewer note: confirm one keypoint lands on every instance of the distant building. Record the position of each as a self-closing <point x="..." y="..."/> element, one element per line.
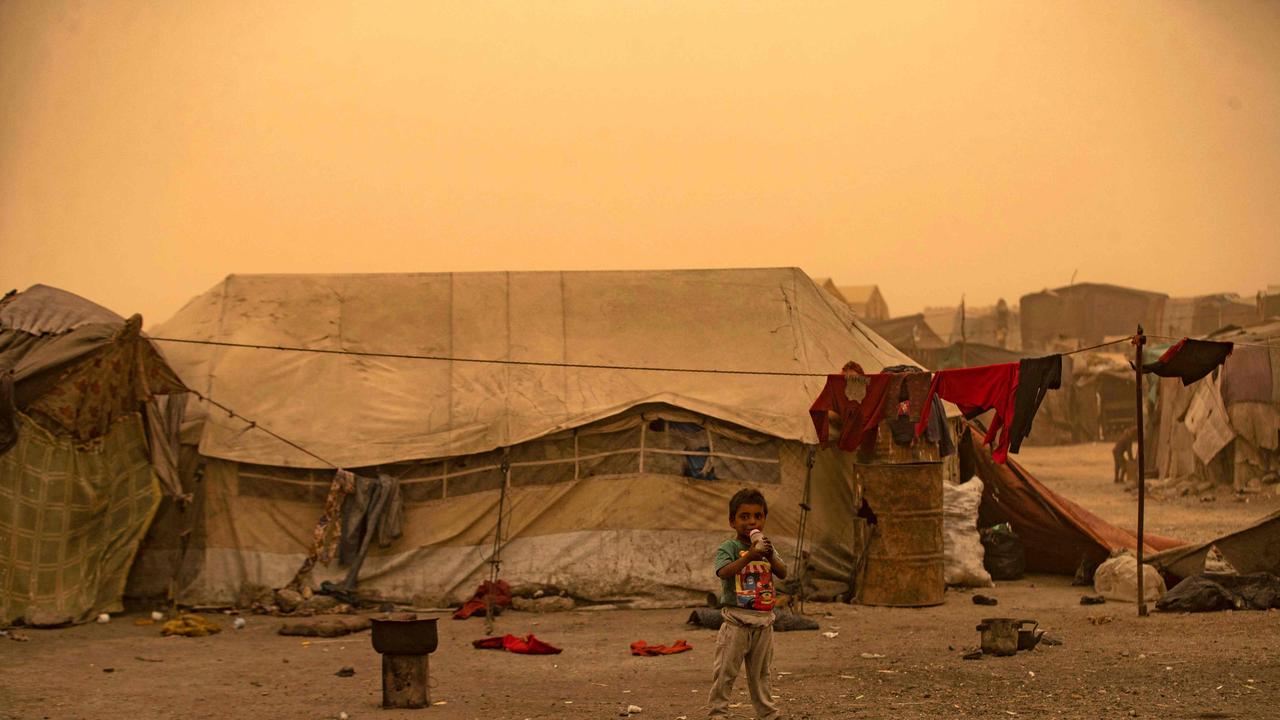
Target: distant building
<point x="865" y="300"/>
<point x="1197" y="316"/>
<point x="911" y="335"/>
<point x="1269" y="302"/>
<point x="996" y="325"/>
<point x="1087" y="314"/>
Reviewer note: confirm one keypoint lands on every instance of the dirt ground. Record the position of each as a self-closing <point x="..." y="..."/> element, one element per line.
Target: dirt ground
<point x="882" y="663"/>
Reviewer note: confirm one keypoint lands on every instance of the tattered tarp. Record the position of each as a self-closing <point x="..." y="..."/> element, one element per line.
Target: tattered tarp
<point x="358" y="411"/>
<point x="1255" y="548"/>
<point x="1056" y="532"/>
<point x="71" y="519"/>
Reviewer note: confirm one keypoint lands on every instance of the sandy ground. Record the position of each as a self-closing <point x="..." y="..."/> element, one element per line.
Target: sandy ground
<point x="883" y="663"/>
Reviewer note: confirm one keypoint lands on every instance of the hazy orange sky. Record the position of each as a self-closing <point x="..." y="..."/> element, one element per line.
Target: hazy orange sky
<point x="147" y="149"/>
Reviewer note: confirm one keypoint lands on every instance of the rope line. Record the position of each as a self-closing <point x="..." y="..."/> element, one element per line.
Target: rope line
<point x="532" y="363"/>
<point x="254" y="424"/>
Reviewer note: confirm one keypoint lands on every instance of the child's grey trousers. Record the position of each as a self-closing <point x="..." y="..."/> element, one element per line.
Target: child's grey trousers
<point x="745" y="636"/>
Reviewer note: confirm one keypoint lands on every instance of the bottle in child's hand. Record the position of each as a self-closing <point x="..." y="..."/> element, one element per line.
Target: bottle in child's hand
<point x="757" y="539"/>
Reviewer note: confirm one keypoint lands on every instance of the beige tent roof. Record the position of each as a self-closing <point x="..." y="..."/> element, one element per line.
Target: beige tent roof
<point x="357" y="411"/>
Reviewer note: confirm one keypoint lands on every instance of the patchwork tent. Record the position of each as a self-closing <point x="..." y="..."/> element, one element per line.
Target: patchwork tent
<point x="538" y="392"/>
<point x="1225" y="428"/>
<point x="84" y="451"/>
<point x="1255" y="548"/>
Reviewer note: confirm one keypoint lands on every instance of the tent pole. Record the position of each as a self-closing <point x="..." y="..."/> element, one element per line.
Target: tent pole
<point x="1138" y="341"/>
<point x="494" y="560"/>
<point x="796" y="566"/>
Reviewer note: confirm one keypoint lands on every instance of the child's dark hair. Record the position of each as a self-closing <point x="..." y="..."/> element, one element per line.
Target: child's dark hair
<point x="747" y="496"/>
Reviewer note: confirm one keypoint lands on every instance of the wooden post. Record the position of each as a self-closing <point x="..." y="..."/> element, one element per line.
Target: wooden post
<point x="404" y="681"/>
<point x="1138" y="341"/>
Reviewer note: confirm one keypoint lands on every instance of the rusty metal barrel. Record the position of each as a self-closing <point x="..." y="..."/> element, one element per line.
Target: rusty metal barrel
<point x="904" y="563"/>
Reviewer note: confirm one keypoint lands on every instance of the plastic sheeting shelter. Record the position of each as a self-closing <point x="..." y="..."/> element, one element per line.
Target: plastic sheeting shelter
<point x="80" y="473"/>
<point x="1058" y="534"/>
<point x="606" y="470"/>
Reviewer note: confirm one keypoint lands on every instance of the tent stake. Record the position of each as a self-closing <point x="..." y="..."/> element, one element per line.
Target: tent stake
<point x="1138" y="341"/>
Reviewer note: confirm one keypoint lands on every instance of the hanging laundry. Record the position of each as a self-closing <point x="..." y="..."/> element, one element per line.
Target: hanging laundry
<point x="642" y="648"/>
<point x="527" y="645"/>
<point x="857" y="402"/>
<point x="938" y="430"/>
<point x="1036" y="376"/>
<point x="906" y="400"/>
<point x="1189" y="359"/>
<point x="976" y="390"/>
<point x="328" y="531"/>
<point x="1246" y="376"/>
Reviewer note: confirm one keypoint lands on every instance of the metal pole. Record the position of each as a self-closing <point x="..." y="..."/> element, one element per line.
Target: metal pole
<point x="495" y="560"/>
<point x="797" y="563"/>
<point x="1138" y="341"/>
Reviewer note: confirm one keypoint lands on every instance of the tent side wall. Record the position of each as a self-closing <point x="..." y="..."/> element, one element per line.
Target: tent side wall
<point x="647" y="537"/>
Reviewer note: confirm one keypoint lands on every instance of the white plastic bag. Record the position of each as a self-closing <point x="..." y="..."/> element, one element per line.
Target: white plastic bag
<point x="1117" y="579"/>
<point x="961" y="546"/>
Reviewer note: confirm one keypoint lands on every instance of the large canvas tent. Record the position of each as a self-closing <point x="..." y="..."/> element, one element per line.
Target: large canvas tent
<point x="616" y="480"/>
<point x="84" y="450"/>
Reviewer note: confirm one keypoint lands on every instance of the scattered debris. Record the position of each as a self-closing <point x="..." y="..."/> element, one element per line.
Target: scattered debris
<point x="108" y="669"/>
<point x="829" y="634"/>
<point x="104" y="618"/>
<point x="238" y="623"/>
<point x="147" y="659"/>
<point x="188" y="625"/>
<point x="973" y="655"/>
<point x="1050" y="640"/>
<point x="1101" y="619"/>
<point x="1092" y="600"/>
<point x="870" y="656"/>
<point x="346" y="671"/>
<point x="984" y="600"/>
<point x="157" y="616"/>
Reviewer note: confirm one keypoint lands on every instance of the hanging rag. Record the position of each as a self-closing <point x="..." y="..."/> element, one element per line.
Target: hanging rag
<point x="1189" y="359"/>
<point x="857" y="401"/>
<point x="527" y="645"/>
<point x="477" y="605"/>
<point x="1036" y="377"/>
<point x="1246" y="376"/>
<point x="938" y="431"/>
<point x="376" y="508"/>
<point x="328" y="530"/>
<point x="976" y="390"/>
<point x="644" y="649"/>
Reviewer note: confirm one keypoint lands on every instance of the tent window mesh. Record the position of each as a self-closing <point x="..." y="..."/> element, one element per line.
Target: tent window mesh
<point x="670" y="447"/>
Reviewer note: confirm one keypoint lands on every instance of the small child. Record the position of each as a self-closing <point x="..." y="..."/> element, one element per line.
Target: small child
<point x="746" y="571"/>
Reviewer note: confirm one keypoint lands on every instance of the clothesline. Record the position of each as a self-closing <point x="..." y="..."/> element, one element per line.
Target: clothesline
<point x="254" y="424"/>
<point x="537" y="363"/>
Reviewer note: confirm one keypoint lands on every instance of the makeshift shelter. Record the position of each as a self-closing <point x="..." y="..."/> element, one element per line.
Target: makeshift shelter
<point x="866" y="301"/>
<point x="1255" y="548"/>
<point x="1225" y="428"/>
<point x="910" y="334"/>
<point x="1203" y="314"/>
<point x="1059" y="535"/>
<point x="85" y="445"/>
<point x="527" y="391"/>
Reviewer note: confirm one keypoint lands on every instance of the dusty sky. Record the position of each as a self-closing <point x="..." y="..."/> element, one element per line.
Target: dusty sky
<point x="147" y="149"/>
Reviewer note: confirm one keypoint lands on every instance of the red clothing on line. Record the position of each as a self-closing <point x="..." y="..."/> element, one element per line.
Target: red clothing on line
<point x="976" y="390"/>
<point x="858" y="417"/>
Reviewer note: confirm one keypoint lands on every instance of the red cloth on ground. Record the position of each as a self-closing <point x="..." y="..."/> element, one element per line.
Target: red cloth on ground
<point x="527" y="645"/>
<point x="477" y="605"/>
<point x="976" y="390"/>
<point x="859" y="416"/>
<point x="640" y="647"/>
